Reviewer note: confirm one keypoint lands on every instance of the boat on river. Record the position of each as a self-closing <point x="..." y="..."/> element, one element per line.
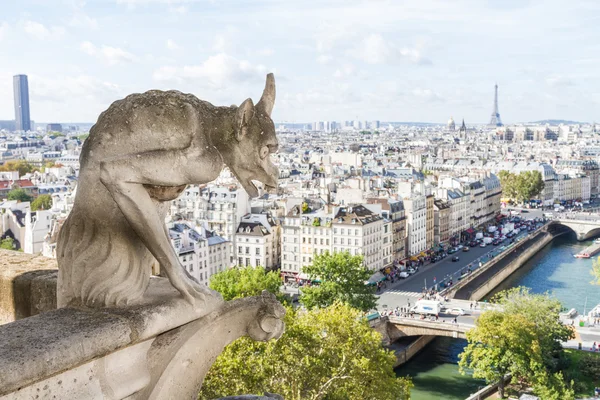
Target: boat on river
<point x="582" y="255"/>
<point x="597" y="241"/>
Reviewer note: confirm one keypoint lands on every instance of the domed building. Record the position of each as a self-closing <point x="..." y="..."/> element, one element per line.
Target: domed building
<point x="451" y="125"/>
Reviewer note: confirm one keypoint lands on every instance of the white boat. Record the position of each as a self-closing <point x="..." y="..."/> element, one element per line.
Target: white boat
<point x="597" y="241"/>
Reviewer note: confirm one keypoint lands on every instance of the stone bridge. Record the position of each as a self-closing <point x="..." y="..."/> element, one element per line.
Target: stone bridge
<point x="585" y="226"/>
<point x="397" y="327"/>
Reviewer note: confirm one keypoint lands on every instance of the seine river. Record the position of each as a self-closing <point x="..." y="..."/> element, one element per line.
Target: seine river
<point x="554" y="269"/>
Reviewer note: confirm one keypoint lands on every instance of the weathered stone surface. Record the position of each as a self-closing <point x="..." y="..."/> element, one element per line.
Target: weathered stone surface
<point x="37" y="347"/>
<point x="27" y="285"/>
<point x="157" y="350"/>
<point x="142" y="152"/>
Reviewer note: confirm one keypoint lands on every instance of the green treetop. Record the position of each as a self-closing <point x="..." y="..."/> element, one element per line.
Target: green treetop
<point x="521" y="337"/>
<point x="245" y="282"/>
<point x="342" y="278"/>
<point x="329" y="353"/>
<point x="42" y="202"/>
<point x="18" y="194"/>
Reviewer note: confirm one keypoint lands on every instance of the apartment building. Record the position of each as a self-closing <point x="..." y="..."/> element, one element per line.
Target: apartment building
<point x="201" y="252"/>
<point x="258" y="241"/>
<point x="416" y="223"/>
<point x="441" y="221"/>
<point x="354" y="229"/>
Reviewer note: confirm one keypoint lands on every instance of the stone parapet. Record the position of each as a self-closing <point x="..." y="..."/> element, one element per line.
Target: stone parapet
<point x="27" y="285"/>
<point x="159" y="349"/>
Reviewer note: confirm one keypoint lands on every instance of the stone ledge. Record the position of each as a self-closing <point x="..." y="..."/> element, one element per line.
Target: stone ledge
<point x="157" y="339"/>
<point x="27" y="285"/>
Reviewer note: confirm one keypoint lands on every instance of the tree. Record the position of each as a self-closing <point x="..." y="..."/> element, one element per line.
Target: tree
<point x="329" y="353"/>
<point x="20" y="165"/>
<point x="521" y="337"/>
<point x="522" y="187"/>
<point x="305" y="207"/>
<point x="342" y="278"/>
<point x="245" y="282"/>
<point x="42" y="202"/>
<point x="18" y="194"/>
<point x="529" y="185"/>
<point x="7" y="244"/>
<point x="508" y="182"/>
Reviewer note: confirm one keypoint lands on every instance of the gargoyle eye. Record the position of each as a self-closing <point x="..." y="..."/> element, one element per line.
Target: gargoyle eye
<point x="264" y="152"/>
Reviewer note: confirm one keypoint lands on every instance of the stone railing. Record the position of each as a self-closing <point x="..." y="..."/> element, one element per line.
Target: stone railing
<point x="159" y="349"/>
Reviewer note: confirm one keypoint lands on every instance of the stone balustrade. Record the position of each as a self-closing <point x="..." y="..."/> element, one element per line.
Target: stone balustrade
<point x="160" y="348"/>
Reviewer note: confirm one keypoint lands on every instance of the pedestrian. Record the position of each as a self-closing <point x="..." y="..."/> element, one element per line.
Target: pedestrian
<point x="471" y="306"/>
<point x="455" y="320"/>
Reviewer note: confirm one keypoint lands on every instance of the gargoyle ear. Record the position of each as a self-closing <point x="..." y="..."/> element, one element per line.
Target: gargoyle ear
<point x="244" y="114"/>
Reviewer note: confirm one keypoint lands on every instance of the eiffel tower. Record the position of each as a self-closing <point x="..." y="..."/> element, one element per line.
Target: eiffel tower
<point x="495" y="120"/>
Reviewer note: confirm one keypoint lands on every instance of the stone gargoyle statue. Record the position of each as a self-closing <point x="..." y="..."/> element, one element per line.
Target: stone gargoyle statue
<point x="142" y="152"/>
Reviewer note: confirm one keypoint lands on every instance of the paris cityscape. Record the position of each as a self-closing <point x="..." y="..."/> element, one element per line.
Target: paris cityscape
<point x="412" y="242"/>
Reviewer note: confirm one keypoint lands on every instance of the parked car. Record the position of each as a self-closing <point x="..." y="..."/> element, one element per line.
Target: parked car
<point x="403" y="275"/>
<point x="411" y="271"/>
<point x="456" y="311"/>
<point x="482" y="244"/>
<point x="465" y="249"/>
<point x="455" y="258"/>
<point x="452" y="250"/>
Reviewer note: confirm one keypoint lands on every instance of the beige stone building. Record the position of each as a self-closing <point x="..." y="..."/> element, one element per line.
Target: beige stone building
<point x="429" y="238"/>
<point x="441" y="221"/>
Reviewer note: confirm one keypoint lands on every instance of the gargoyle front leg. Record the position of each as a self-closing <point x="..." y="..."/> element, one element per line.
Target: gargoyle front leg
<point x="124" y="178"/>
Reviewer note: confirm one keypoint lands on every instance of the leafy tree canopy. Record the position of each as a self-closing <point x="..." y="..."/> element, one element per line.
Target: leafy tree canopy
<point x="18" y="194"/>
<point x="20" y="165"/>
<point x="42" y="202"/>
<point x="522" y="338"/>
<point x="342" y="278"/>
<point x="7" y="244"/>
<point x="245" y="282"/>
<point x="329" y="353"/>
<point x="521" y="187"/>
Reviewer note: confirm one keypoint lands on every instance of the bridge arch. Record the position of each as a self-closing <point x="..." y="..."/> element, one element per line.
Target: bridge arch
<point x="584" y="229"/>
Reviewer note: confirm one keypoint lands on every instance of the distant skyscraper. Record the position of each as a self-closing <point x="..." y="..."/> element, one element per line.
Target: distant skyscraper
<point x="495" y="120"/>
<point x="21" y="92"/>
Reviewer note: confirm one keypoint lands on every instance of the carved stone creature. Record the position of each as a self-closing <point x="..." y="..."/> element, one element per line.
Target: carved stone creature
<point x="141" y="153"/>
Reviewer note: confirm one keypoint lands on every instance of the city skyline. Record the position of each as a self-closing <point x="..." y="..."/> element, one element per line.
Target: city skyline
<point x="421" y="62"/>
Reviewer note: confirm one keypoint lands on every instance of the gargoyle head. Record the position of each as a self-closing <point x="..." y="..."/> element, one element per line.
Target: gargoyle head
<point x="255" y="140"/>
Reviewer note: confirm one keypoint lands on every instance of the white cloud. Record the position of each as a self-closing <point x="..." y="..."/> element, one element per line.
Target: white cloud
<point x="220" y="44"/>
<point x="41" y="32"/>
<point x="171" y="45"/>
<point x="217" y="71"/>
<point x="108" y="54"/>
<point x="67" y="88"/>
<point x="344" y="71"/>
<point x="374" y="49"/>
<point x="174" y="6"/>
<point x="324" y="59"/>
<point x="82" y="20"/>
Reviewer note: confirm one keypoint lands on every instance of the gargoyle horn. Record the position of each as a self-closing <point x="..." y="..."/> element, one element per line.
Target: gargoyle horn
<point x="267" y="101"/>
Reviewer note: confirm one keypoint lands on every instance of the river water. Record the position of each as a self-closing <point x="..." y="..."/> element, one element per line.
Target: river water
<point x="553" y="269"/>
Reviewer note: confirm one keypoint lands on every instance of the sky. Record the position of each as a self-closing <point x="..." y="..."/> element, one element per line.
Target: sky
<point x="335" y="60"/>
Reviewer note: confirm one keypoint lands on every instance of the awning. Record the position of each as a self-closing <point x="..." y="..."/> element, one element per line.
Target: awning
<point x="470" y="231"/>
<point x="376" y="277"/>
